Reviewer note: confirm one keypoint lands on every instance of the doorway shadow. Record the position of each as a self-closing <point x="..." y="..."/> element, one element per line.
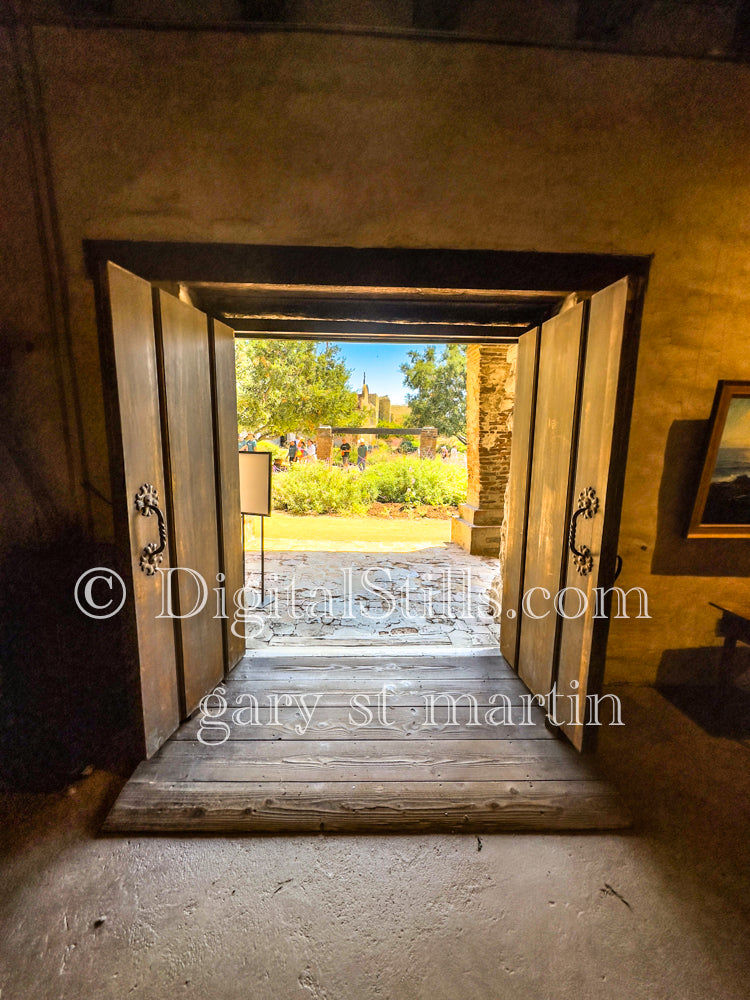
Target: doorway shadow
<point x="66" y="707"/>
<point x="688" y="679"/>
<point x="728" y="718"/>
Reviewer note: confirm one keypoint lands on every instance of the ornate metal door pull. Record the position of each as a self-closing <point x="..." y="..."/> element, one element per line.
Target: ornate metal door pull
<point x="147" y="503"/>
<point x="588" y="505"/>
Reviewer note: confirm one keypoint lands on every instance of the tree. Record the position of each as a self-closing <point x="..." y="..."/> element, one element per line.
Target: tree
<point x="439" y="399"/>
<point x="292" y="385"/>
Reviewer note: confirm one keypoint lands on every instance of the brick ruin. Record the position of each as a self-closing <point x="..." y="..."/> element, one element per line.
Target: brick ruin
<point x="490" y="394"/>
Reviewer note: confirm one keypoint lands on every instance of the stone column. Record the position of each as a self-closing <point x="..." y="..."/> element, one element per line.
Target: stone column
<point x="490" y="393"/>
<point x="428" y="442"/>
<point x="324" y="444"/>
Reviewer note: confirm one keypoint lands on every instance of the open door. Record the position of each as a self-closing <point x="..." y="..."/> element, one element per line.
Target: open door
<point x="591" y="564"/>
<point x="224" y="392"/>
<point x="564" y="522"/>
<point x="560" y="356"/>
<point x="168" y="414"/>
<point x="519" y="479"/>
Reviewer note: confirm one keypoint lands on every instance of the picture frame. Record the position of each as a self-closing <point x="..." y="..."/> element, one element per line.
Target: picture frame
<point x="722" y="503"/>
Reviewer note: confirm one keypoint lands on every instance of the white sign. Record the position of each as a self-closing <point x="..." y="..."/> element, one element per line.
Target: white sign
<point x="255" y="482"/>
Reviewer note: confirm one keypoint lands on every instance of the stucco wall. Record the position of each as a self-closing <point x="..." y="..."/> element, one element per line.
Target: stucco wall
<point x="296" y="138"/>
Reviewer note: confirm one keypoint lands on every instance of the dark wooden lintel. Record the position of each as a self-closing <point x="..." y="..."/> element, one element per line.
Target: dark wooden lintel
<point x="369" y="266"/>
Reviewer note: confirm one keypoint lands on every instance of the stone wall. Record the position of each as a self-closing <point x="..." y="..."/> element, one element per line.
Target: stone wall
<point x="490" y="389"/>
<point x="490" y="392"/>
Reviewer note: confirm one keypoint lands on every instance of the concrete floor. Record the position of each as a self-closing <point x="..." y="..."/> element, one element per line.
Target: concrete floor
<point x="662" y="911"/>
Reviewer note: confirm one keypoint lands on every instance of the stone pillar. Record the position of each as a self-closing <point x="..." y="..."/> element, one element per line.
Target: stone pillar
<point x="428" y="442"/>
<point x="490" y="393"/>
<point x="324" y="444"/>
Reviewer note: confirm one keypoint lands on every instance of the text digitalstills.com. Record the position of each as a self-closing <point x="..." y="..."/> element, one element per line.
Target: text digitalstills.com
<point x="372" y="596"/>
<point x="448" y="594"/>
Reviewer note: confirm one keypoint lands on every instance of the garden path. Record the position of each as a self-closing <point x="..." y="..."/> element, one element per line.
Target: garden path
<point x="340" y="582"/>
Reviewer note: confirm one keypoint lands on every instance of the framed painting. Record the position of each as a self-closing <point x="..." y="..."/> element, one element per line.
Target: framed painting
<point x="722" y="505"/>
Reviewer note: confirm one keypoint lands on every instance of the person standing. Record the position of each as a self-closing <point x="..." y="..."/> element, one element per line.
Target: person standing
<point x="292" y="449"/>
<point x="345" y="450"/>
<point x="361" y="455"/>
<point x="251" y="442"/>
<point x="311" y="451"/>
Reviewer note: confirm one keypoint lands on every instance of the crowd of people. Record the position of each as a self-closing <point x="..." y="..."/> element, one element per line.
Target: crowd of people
<point x="301" y="450"/>
<point x="304" y="451"/>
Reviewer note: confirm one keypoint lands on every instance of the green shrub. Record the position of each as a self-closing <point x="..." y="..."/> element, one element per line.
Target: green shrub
<point x="318" y="489"/>
<point x="412" y="481"/>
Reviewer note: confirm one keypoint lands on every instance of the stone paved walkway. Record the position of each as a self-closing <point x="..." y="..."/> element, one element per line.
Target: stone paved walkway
<point x="397" y="592"/>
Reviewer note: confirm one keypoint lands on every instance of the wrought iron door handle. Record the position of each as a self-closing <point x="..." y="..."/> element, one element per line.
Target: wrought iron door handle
<point x="588" y="505"/>
<point x="147" y="503"/>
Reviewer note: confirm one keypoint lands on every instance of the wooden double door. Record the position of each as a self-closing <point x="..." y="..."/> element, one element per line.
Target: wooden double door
<point x="170" y="390"/>
<point x="574" y="393"/>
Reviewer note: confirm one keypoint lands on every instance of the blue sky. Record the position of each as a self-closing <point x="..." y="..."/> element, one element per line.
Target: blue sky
<point x="381" y="362"/>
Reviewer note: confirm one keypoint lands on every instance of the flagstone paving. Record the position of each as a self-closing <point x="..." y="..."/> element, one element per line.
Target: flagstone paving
<point x="405" y="584"/>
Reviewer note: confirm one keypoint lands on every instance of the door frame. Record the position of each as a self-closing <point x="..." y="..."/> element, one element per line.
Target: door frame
<point x="168" y="264"/>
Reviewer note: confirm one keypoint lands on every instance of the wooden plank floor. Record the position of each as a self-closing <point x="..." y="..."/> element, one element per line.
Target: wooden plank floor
<point x="300" y="756"/>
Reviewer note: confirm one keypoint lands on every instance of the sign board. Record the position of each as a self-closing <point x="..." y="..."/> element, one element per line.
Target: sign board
<point x="255" y="482"/>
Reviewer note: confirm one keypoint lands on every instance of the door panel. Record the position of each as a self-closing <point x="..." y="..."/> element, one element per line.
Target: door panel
<point x="600" y="465"/>
<point x="187" y="428"/>
<point x="129" y="354"/>
<point x="560" y="349"/>
<point x="227" y="478"/>
<point x="518" y="492"/>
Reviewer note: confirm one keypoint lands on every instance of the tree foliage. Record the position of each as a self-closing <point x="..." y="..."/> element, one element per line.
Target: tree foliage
<point x="439" y="384"/>
<point x="292" y="385"/>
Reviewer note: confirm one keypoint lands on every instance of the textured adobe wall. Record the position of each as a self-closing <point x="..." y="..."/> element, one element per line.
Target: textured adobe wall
<point x="296" y="138"/>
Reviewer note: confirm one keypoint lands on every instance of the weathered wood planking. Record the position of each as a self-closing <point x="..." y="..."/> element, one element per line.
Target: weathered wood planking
<point x="225" y="763"/>
<point x="224" y="402"/>
<point x="335" y="724"/>
<point x="560" y="350"/>
<point x="359" y="752"/>
<point x="606" y="398"/>
<point x="366" y="807"/>
<point x="519" y="477"/>
<point x="187" y="423"/>
<point x="130" y="372"/>
<point x="307" y="773"/>
<point x="398" y="692"/>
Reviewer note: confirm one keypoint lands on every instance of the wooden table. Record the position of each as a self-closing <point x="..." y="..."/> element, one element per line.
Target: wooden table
<point x="734" y="626"/>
